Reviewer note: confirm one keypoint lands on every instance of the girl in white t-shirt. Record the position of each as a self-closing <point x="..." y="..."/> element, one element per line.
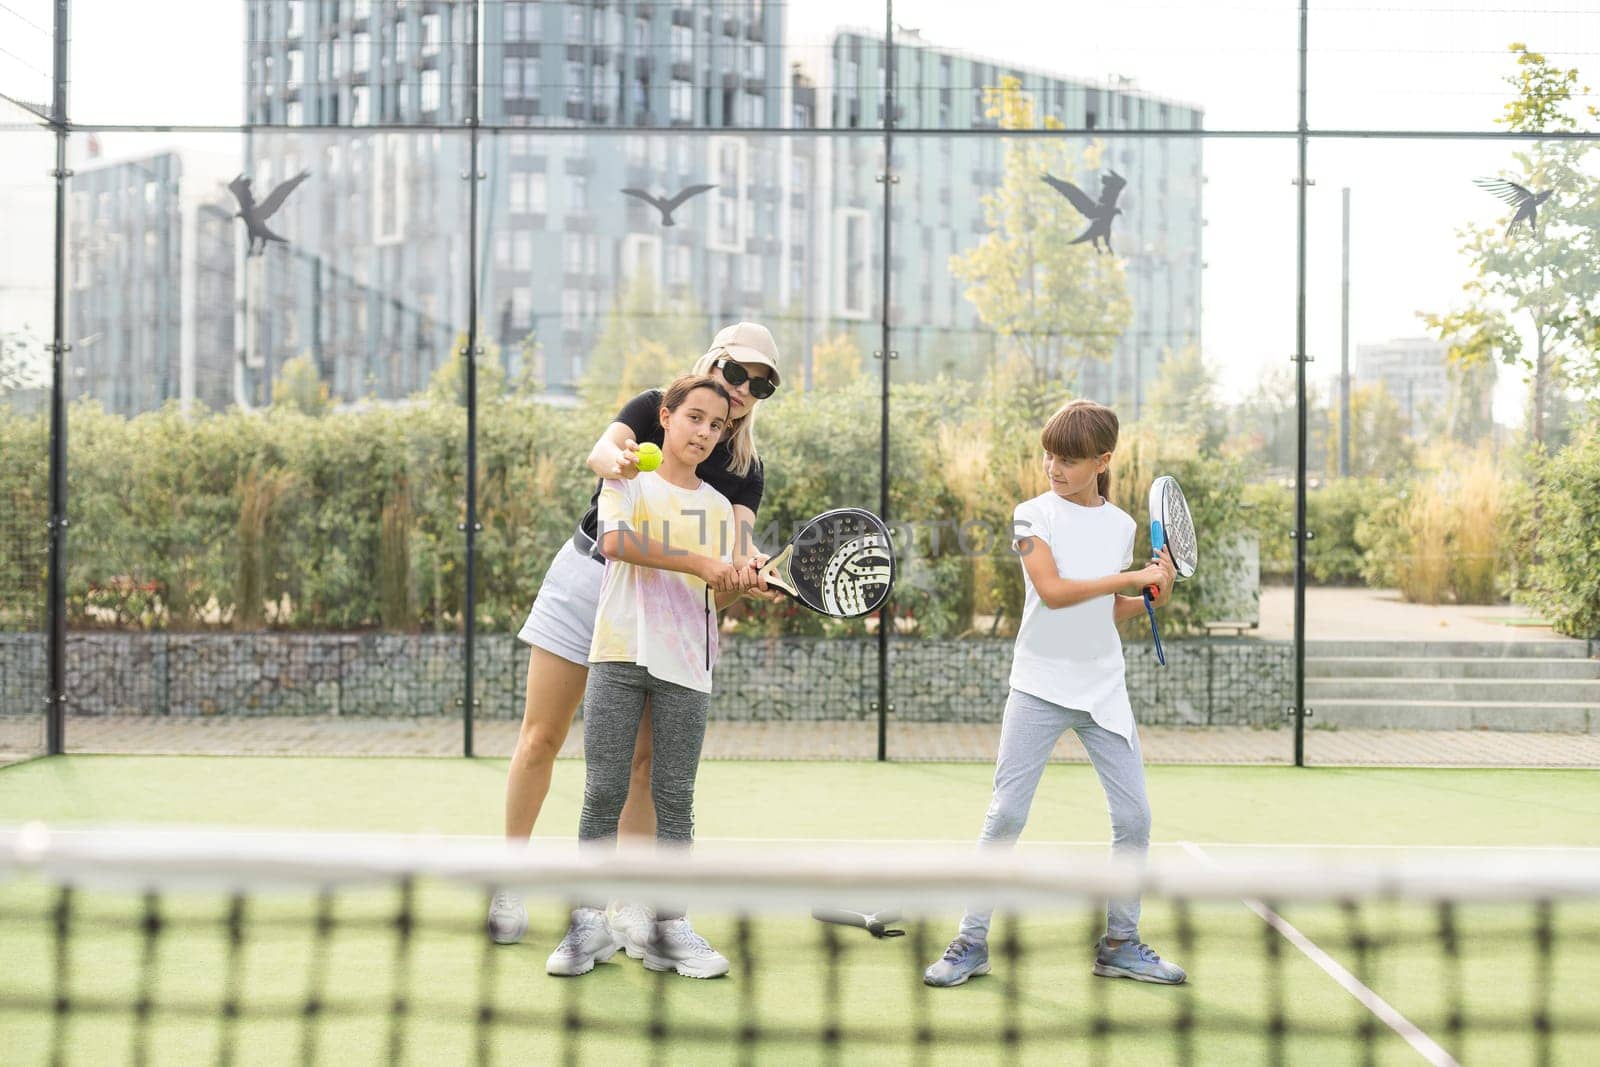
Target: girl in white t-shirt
<point x="1067" y="673"/>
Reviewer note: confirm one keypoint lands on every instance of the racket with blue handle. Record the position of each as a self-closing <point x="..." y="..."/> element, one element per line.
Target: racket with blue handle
<point x="1172" y="528"/>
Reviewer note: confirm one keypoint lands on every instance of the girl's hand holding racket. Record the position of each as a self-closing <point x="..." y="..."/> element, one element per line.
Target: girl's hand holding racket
<point x="721" y="577"/>
<point x="1163" y="589"/>
<point x="1149" y="577"/>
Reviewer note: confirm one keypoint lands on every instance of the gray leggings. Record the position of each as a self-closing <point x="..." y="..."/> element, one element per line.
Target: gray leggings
<point x="1028" y="734"/>
<point x="613" y="703"/>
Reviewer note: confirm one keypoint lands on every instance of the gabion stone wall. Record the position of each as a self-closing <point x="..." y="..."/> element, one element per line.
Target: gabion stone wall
<point x="1206" y="682"/>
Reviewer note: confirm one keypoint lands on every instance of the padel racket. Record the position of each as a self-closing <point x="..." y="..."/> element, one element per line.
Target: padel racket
<point x="1172" y="528"/>
<point x="841" y="564"/>
<point x="876" y="923"/>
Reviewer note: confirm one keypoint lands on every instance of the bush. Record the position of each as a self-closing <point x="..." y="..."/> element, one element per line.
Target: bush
<point x="295" y="518"/>
<point x="1563" y="574"/>
<point x="1443" y="537"/>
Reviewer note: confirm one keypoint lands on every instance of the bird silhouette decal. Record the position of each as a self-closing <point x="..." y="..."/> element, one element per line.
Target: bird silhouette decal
<point x="1525" y="201"/>
<point x="256" y="215"/>
<point x="1099" y="214"/>
<point x="666" y="206"/>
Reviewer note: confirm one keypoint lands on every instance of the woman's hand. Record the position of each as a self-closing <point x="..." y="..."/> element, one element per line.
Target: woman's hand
<point x="759" y="589"/>
<point x="627" y="462"/>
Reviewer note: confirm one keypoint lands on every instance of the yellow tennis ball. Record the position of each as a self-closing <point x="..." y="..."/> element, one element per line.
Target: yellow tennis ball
<point x="649" y="456"/>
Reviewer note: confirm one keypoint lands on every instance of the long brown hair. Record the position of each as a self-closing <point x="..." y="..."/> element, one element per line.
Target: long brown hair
<point x="741" y="432"/>
<point x="1082" y="429"/>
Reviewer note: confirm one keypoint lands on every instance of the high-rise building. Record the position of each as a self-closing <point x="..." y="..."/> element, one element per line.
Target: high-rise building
<point x="373" y="285"/>
<point x="1416" y="372"/>
<point x="941" y="180"/>
<point x="150" y="286"/>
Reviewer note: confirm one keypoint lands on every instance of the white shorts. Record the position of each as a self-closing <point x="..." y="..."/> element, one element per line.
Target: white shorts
<point x="562" y="619"/>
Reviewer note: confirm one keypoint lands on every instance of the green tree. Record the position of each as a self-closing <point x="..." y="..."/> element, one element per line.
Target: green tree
<point x="835" y="362"/>
<point x="449" y="382"/>
<point x="299" y="387"/>
<point x="1545" y="280"/>
<point x="644" y="344"/>
<point x="1380" y="435"/>
<point x="1183" y="400"/>
<point x="1050" y="300"/>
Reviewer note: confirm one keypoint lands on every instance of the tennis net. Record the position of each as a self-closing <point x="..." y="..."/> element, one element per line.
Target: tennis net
<point x="200" y="946"/>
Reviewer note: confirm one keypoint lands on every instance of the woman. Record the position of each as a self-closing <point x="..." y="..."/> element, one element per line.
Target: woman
<point x="743" y="358"/>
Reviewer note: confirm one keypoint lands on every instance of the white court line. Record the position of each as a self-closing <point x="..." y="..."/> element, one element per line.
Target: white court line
<point x="1426" y="1046"/>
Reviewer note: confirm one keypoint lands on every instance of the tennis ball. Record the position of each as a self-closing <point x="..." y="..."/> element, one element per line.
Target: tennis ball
<point x="649" y="456"/>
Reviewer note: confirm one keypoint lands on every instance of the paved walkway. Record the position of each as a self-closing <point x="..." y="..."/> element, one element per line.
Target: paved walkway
<point x="146" y="735"/>
<point x="1382" y="614"/>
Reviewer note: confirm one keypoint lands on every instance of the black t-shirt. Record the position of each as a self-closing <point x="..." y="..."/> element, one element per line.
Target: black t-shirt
<point x="642" y="415"/>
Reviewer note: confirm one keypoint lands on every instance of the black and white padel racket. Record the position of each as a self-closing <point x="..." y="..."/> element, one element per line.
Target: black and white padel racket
<point x="1172" y="528"/>
<point x="841" y="563"/>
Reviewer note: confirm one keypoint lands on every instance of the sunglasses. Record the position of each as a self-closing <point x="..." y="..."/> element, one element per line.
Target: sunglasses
<point x="735" y="375"/>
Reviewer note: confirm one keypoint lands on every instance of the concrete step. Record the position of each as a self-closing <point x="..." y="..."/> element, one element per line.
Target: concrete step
<point x="1449" y="667"/>
<point x="1479" y="690"/>
<point x="1453" y="715"/>
<point x="1554" y="649"/>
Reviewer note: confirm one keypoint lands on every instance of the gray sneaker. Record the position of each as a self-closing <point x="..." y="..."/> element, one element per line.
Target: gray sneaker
<point x="966" y="958"/>
<point x="676" y="947"/>
<point x="508" y="919"/>
<point x="589" y="941"/>
<point x="634" y="925"/>
<point x="1136" y="960"/>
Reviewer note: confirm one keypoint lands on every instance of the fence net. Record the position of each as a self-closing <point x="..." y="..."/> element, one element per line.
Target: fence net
<point x="190" y="946"/>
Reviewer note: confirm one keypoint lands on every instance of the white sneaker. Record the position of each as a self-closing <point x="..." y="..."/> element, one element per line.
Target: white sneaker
<point x="676" y="947"/>
<point x="508" y="919"/>
<point x="634" y="925"/>
<point x="589" y="941"/>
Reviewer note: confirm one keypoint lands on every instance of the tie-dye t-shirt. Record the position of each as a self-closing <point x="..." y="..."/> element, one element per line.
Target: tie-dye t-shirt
<point x="657" y="618"/>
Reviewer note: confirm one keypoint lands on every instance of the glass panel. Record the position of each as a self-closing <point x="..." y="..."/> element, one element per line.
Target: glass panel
<point x="655" y="64"/>
<point x="272" y="62"/>
<point x="267" y="441"/>
<point x="1447" y="610"/>
<point x="608" y="269"/>
<point x="1001" y="315"/>
<point x="1159" y="65"/>
<point x="1411" y="67"/>
<point x="27" y="212"/>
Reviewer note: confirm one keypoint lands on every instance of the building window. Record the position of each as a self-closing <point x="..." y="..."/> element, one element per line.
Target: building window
<point x="297" y="68"/>
<point x="361" y="61"/>
<point x="430" y="34"/>
<point x="522" y="306"/>
<point x="502" y="250"/>
<point x="430" y="91"/>
<point x="682" y="44"/>
<point x="522" y="251"/>
<point x="519" y="193"/>
<point x="682" y="102"/>
<point x="360" y="105"/>
<point x="575" y="24"/>
<point x="402" y="38"/>
<point x="575" y="83"/>
<point x="853" y="262"/>
<point x="578" y="187"/>
<point x="297" y="18"/>
<point x="641" y="35"/>
<point x="511" y="21"/>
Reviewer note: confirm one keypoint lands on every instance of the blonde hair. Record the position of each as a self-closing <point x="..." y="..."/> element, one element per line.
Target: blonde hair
<point x="1082" y="429"/>
<point x="741" y="432"/>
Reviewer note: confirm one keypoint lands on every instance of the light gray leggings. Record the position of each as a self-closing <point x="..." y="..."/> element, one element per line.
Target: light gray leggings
<point x="613" y="703"/>
<point x="1028" y="734"/>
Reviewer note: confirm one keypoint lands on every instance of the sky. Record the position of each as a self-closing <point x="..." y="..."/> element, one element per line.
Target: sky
<point x="1371" y="66"/>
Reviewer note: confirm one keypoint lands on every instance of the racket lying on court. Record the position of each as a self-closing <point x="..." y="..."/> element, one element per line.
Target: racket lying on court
<point x="1172" y="528"/>
<point x="876" y="923"/>
<point x="841" y="563"/>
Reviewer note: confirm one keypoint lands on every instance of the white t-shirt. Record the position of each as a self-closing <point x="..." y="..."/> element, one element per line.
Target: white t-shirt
<point x="653" y="617"/>
<point x="1072" y="656"/>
